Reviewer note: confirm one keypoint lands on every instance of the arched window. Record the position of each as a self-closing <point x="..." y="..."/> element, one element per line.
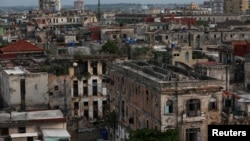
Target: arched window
<point x="169" y="107"/>
<point x="186" y="56"/>
<point x="193" y="107"/>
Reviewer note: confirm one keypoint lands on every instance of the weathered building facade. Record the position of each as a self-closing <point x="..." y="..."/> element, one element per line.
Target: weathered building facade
<point x="24" y="90"/>
<point x="88" y="85"/>
<point x="147" y="94"/>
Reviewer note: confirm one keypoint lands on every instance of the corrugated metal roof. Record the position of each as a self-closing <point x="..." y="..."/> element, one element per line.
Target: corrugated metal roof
<point x="55" y="133"/>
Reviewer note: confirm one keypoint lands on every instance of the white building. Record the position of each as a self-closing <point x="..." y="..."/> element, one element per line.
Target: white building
<point x="23" y="90"/>
<point x="29" y="126"/>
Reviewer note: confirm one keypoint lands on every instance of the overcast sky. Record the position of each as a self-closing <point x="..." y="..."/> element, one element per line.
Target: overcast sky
<point x="70" y="2"/>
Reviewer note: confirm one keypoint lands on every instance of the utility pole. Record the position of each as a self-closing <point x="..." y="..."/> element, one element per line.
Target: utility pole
<point x="99" y="11"/>
<point x="65" y="98"/>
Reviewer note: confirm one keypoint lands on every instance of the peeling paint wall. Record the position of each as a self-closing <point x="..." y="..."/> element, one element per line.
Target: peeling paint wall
<point x="36" y="90"/>
<point x="90" y="98"/>
<point x="141" y="104"/>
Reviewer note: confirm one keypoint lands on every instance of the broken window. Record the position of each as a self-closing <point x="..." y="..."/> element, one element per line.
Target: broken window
<point x="193" y="134"/>
<point x="213" y="104"/>
<point x="193" y="107"/>
<point x="169" y="107"/>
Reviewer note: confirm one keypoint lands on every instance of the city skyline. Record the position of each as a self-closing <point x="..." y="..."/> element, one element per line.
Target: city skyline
<point x="70" y="2"/>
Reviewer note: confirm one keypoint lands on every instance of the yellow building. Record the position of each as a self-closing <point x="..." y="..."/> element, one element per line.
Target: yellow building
<point x="194" y="6"/>
<point x="235" y="6"/>
<point x="184" y="55"/>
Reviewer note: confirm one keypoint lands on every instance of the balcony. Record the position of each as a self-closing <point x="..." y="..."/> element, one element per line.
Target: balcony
<point x="193" y="117"/>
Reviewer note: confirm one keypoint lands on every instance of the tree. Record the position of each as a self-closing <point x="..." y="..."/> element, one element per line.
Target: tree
<point x="201" y="22"/>
<point x="110" y="47"/>
<point x="153" y="135"/>
<point x="143" y="52"/>
<point x="109" y="121"/>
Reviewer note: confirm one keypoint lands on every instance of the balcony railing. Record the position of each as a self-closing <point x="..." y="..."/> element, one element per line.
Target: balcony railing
<point x="193" y="117"/>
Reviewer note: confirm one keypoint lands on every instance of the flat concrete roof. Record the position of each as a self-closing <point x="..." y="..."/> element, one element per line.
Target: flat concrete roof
<point x="19" y="135"/>
<point x="33" y="115"/>
<point x="15" y="71"/>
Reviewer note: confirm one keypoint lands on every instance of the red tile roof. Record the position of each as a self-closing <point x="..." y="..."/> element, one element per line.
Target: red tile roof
<point x="21" y="46"/>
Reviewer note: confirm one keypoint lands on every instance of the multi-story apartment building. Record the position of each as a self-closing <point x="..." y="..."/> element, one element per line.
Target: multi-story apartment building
<point x="88" y="86"/>
<point x="79" y="5"/>
<point x="81" y="90"/>
<point x="217" y="6"/>
<point x="50" y="5"/>
<point x="147" y="94"/>
<point x="235" y="6"/>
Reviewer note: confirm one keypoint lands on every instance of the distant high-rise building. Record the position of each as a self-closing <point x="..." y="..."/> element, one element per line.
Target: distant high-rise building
<point x="50" y="5"/>
<point x="78" y="5"/>
<point x="217" y="6"/>
<point x="235" y="6"/>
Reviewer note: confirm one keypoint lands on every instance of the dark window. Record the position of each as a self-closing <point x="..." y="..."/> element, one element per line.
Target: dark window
<point x="76" y="105"/>
<point x="85" y="81"/>
<point x="104" y="106"/>
<point x="85" y="104"/>
<point x="86" y="113"/>
<point x="193" y="134"/>
<point x="30" y="139"/>
<point x="94" y="84"/>
<point x="94" y="66"/>
<point x="95" y="114"/>
<point x="75" y="88"/>
<point x="56" y="88"/>
<point x="4" y="131"/>
<point x="193" y="107"/>
<point x="23" y="92"/>
<point x="169" y="107"/>
<point x="213" y="104"/>
<point x="50" y="93"/>
<point x="21" y="130"/>
<point x="103" y="68"/>
<point x="123" y="109"/>
<point x="147" y="96"/>
<point x="131" y="120"/>
<point x="85" y="91"/>
<point x="95" y="111"/>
